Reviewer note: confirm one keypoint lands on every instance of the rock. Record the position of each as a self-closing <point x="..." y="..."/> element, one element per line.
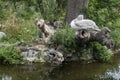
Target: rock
<point x="55" y="24"/>
<point x="33" y="56"/>
<point x="45" y="31"/>
<point x="30" y="56"/>
<point x="2" y="34"/>
<point x="87" y="55"/>
<point x="54" y="57"/>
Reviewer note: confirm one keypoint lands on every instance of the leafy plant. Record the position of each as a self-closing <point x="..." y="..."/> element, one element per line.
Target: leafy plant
<point x="66" y="38"/>
<point x="10" y="55"/>
<point x="101" y="53"/>
<point x="102" y="11"/>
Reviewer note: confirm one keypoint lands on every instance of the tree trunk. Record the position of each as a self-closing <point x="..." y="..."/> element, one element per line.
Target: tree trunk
<point x="74" y="8"/>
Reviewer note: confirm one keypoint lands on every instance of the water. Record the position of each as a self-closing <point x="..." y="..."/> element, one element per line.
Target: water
<point x="69" y="71"/>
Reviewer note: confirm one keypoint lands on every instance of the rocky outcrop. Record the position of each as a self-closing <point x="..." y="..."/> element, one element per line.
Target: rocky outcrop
<point x="41" y="53"/>
<point x="54" y="57"/>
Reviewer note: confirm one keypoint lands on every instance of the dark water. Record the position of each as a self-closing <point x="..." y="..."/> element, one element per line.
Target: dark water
<point x="71" y="71"/>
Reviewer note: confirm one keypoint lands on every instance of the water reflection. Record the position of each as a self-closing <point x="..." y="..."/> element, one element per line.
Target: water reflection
<point x="113" y="74"/>
<point x="69" y="71"/>
<point x="6" y="77"/>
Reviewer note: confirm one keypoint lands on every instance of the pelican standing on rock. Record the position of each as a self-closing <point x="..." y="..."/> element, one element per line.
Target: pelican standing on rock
<point x="81" y="23"/>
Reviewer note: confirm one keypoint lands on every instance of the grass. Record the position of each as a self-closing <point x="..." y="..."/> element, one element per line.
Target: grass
<point x="10" y="55"/>
<point x="18" y="29"/>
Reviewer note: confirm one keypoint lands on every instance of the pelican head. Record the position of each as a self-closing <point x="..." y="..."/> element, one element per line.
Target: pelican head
<point x="80" y="17"/>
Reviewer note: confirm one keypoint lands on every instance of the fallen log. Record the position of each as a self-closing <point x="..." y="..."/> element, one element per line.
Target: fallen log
<point x="84" y="36"/>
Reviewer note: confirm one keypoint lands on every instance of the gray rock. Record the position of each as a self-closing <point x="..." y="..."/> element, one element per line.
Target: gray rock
<point x="33" y="56"/>
<point x="54" y="57"/>
<point x="2" y="34"/>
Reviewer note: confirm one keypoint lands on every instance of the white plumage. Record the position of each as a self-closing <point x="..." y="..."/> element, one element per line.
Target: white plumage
<point x="80" y="23"/>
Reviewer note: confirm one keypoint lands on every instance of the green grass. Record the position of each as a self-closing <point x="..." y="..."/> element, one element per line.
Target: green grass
<point x="18" y="29"/>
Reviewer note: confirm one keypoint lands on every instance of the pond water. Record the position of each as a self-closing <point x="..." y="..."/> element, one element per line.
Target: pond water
<point x="69" y="71"/>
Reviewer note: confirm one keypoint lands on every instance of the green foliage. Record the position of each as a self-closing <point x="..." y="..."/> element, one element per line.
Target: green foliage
<point x="27" y="9"/>
<point x="3" y="12"/>
<point x="102" y="11"/>
<point x="101" y="53"/>
<point x="10" y="55"/>
<point x="115" y="31"/>
<point x="115" y="34"/>
<point x="18" y="18"/>
<point x="106" y="13"/>
<point x="49" y="9"/>
<point x="66" y="38"/>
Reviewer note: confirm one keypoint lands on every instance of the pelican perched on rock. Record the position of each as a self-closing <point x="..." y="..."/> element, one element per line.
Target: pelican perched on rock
<point x="81" y="23"/>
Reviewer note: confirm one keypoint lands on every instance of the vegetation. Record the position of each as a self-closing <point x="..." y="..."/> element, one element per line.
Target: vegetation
<point x="106" y="13"/>
<point x="101" y="53"/>
<point x="19" y="30"/>
<point x="66" y="39"/>
<point x="18" y="17"/>
<point x="10" y="55"/>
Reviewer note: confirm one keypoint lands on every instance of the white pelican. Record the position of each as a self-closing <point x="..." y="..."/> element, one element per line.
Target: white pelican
<point x="81" y="23"/>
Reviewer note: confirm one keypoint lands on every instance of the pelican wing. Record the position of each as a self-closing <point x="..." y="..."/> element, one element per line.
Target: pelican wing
<point x="86" y="24"/>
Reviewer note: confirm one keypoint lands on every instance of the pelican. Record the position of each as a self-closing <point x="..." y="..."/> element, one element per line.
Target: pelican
<point x="81" y="23"/>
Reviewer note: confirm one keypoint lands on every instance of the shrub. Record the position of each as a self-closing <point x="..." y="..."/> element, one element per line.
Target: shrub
<point x="115" y="34"/>
<point x="10" y="55"/>
<point x="101" y="53"/>
<point x="102" y="11"/>
<point x="115" y="30"/>
<point x="66" y="38"/>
